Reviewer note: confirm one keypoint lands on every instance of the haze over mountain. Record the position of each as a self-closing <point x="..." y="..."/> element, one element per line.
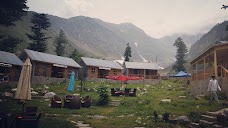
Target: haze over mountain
<point x="105" y="40"/>
<point x="215" y="35"/>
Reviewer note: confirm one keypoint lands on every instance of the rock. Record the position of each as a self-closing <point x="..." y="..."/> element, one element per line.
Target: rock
<point x="147" y="85"/>
<point x="166" y="101"/>
<point x="14" y="90"/>
<point x="182" y="96"/>
<point x="225" y="112"/>
<point x="182" y="119"/>
<point x="48" y="95"/>
<point x="46" y="87"/>
<point x="32" y="89"/>
<point x="44" y="92"/>
<point x="221" y="117"/>
<point x="34" y="93"/>
<point x="197" y="97"/>
<point x="169" y="86"/>
<point x="46" y="99"/>
<point x="73" y="122"/>
<point x="7" y="94"/>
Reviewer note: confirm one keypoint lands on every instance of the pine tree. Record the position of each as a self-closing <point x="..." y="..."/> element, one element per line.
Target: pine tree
<point x="11" y="11"/>
<point x="9" y="43"/>
<point x="40" y="23"/>
<point x="76" y="55"/>
<point x="60" y="42"/>
<point x="127" y="53"/>
<point x="180" y="55"/>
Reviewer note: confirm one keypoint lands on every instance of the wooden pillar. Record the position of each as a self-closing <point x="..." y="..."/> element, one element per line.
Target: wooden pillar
<point x="144" y="73"/>
<point x="191" y="71"/>
<point x="196" y="70"/>
<point x="204" y="67"/>
<point x="215" y="64"/>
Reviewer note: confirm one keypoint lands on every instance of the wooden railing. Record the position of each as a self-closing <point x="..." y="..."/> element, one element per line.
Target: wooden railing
<point x="202" y="75"/>
<point x="222" y="71"/>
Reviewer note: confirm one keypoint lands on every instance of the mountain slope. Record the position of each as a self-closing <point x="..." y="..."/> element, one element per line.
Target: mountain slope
<point x="97" y="38"/>
<point x="217" y="33"/>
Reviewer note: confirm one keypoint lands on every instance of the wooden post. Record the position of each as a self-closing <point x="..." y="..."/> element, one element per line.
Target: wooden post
<point x="144" y="73"/>
<point x="215" y="64"/>
<point x="197" y="70"/>
<point x="204" y="67"/>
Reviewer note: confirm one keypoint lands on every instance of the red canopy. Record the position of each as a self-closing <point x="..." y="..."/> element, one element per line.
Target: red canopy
<point x="123" y="78"/>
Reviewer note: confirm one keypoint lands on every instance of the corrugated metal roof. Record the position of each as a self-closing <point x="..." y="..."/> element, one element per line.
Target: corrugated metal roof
<point x="9" y="58"/>
<point x="101" y="63"/>
<point x="53" y="59"/>
<point x="138" y="65"/>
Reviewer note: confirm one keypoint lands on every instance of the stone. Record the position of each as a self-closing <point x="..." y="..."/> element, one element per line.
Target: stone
<point x="166" y="101"/>
<point x="183" y="119"/>
<point x="197" y="98"/>
<point x="182" y="96"/>
<point x="7" y="94"/>
<point x="169" y="86"/>
<point x="49" y="95"/>
<point x="34" y="93"/>
<point x="73" y="122"/>
<point x="225" y="112"/>
<point x="221" y="117"/>
<point x="14" y="90"/>
<point x="46" y="87"/>
<point x="209" y="118"/>
<point x="46" y="99"/>
<point x="147" y="85"/>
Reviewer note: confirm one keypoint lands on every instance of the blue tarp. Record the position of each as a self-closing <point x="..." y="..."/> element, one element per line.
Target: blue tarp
<point x="182" y="74"/>
<point x="71" y="83"/>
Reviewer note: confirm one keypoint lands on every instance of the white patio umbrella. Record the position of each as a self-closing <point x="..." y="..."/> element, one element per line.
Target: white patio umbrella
<point x="23" y="92"/>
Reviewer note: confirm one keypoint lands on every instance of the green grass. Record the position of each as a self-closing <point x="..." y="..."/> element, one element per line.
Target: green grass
<point x="131" y="109"/>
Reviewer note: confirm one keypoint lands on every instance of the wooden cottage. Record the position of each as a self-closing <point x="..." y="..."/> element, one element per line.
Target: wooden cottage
<point x="212" y="62"/>
<point x="97" y="68"/>
<point x="48" y="65"/>
<point x="10" y="67"/>
<point x="145" y="70"/>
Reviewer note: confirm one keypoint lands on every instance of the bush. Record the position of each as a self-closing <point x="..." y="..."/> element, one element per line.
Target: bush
<point x="103" y="93"/>
<point x="194" y="116"/>
<point x="221" y="96"/>
<point x="166" y="116"/>
<point x="155" y="116"/>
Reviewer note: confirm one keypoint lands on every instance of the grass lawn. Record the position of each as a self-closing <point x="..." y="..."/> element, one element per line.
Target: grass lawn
<point x="132" y="112"/>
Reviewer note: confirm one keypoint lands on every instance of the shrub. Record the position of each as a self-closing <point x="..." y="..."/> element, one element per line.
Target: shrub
<point x="221" y="96"/>
<point x="155" y="116"/>
<point x="166" y="116"/>
<point x="194" y="116"/>
<point x="103" y="93"/>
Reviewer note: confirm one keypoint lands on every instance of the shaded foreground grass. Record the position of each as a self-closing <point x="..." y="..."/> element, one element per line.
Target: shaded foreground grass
<point x="133" y="111"/>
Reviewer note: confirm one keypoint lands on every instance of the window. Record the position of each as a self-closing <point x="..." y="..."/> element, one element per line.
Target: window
<point x="115" y="72"/>
<point x="93" y="70"/>
<point x="45" y="70"/>
<point x="37" y="66"/>
<point x="148" y="72"/>
<point x="136" y="71"/>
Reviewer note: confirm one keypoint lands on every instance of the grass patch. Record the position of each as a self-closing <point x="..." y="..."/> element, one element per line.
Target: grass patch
<point x="132" y="112"/>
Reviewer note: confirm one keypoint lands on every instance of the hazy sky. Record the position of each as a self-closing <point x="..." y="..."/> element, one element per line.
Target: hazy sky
<point x="156" y="17"/>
